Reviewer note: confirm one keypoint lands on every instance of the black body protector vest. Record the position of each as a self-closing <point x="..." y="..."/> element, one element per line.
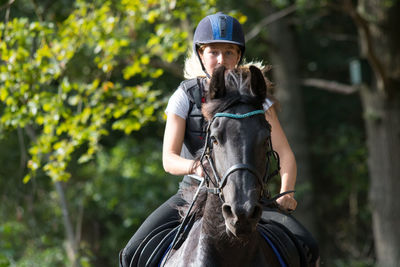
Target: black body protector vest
<point x="195" y="132"/>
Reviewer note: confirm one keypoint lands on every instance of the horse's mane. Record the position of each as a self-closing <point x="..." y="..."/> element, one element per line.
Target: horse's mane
<point x="237" y="83"/>
<point x="199" y="205"/>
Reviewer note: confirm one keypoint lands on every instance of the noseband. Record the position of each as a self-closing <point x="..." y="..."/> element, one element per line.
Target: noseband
<point x="220" y="183"/>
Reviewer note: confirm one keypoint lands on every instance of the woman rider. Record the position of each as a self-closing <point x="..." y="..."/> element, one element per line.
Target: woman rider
<point x="218" y="40"/>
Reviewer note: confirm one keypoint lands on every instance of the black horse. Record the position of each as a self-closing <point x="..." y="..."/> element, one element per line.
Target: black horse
<point x="229" y="206"/>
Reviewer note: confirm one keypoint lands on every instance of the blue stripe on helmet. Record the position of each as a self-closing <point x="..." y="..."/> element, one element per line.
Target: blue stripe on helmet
<point x="222" y="27"/>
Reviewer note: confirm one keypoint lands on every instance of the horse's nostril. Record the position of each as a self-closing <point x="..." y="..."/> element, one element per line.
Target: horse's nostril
<point x="227" y="211"/>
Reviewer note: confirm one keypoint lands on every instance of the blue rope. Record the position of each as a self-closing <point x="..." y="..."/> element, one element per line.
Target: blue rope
<point x="278" y="255"/>
<point x="239" y="116"/>
<point x="165" y="254"/>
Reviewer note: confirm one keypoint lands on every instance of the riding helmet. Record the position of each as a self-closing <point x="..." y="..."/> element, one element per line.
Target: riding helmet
<point x="218" y="28"/>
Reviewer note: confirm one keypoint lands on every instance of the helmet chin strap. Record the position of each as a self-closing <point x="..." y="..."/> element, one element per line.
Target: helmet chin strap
<point x="208" y="75"/>
<point x="203" y="67"/>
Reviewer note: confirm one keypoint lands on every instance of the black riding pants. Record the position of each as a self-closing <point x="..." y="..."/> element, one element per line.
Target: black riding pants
<point x="167" y="212"/>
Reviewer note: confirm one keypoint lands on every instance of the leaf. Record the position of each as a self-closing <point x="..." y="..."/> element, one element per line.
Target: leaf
<point x="84" y="158"/>
<point x="156" y="74"/>
<point x="145" y="59"/>
<point x="152" y="16"/>
<point x="26" y="179"/>
<point x="47" y="107"/>
<point x="3" y="94"/>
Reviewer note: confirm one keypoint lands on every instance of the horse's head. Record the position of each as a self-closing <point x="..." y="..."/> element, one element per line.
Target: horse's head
<point x="237" y="142"/>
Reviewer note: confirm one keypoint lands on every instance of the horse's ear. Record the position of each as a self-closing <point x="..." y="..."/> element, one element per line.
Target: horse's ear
<point x="258" y="85"/>
<point x="217" y="87"/>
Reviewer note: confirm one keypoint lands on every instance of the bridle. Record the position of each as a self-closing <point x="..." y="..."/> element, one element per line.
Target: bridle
<point x="219" y="182"/>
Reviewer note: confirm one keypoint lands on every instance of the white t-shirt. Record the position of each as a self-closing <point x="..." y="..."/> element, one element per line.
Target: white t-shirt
<point x="179" y="104"/>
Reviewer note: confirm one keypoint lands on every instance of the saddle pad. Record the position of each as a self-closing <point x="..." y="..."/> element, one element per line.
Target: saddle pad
<point x="174" y="237"/>
<point x="153" y="252"/>
<point x="284" y="241"/>
<point x="138" y="252"/>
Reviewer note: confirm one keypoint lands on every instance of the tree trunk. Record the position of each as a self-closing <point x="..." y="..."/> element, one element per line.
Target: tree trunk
<point x="383" y="131"/>
<point x="378" y="23"/>
<point x="72" y="246"/>
<point x="284" y="60"/>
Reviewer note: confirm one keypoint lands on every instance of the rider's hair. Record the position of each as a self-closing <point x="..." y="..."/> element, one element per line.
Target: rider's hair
<point x="192" y="67"/>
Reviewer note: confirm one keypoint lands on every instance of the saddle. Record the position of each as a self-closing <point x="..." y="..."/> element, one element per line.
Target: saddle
<point x="288" y="248"/>
<point x="155" y="246"/>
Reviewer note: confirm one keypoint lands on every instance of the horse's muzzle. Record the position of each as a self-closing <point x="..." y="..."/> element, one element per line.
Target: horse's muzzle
<point x="240" y="221"/>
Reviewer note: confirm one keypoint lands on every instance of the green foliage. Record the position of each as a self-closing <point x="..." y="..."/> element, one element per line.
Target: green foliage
<point x="337" y="139"/>
<point x="129" y="183"/>
<point x="340" y="179"/>
<point x="53" y="256"/>
<point x="70" y="83"/>
<point x="11" y="233"/>
<point x="73" y="112"/>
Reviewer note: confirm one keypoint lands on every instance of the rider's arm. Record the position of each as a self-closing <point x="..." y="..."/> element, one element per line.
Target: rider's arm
<point x="288" y="170"/>
<point x="173" y="140"/>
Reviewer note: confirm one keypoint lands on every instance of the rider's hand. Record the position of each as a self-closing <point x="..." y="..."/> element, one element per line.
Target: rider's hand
<point x="287" y="202"/>
<point x="197" y="169"/>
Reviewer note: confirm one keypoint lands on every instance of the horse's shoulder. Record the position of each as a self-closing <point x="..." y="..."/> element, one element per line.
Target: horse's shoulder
<point x="189" y="251"/>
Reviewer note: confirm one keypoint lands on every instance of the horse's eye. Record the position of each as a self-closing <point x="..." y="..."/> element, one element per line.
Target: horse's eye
<point x="214" y="140"/>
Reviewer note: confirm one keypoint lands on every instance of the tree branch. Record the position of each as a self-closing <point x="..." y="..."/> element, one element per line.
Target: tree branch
<point x="268" y="20"/>
<point x="22" y="149"/>
<point x="7" y="16"/>
<point x="366" y="39"/>
<point x="173" y="68"/>
<point x="31" y="133"/>
<point x="79" y="221"/>
<point x="7" y="5"/>
<point x="37" y="12"/>
<point x="331" y="86"/>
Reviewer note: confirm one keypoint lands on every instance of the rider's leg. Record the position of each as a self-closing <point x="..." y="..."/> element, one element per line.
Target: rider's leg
<point x="295" y="227"/>
<point x="165" y="213"/>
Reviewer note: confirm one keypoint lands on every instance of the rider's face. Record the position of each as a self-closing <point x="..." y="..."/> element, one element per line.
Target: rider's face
<point x="216" y="54"/>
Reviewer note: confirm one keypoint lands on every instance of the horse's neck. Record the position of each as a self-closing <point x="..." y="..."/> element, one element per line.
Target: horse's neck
<point x="213" y="221"/>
